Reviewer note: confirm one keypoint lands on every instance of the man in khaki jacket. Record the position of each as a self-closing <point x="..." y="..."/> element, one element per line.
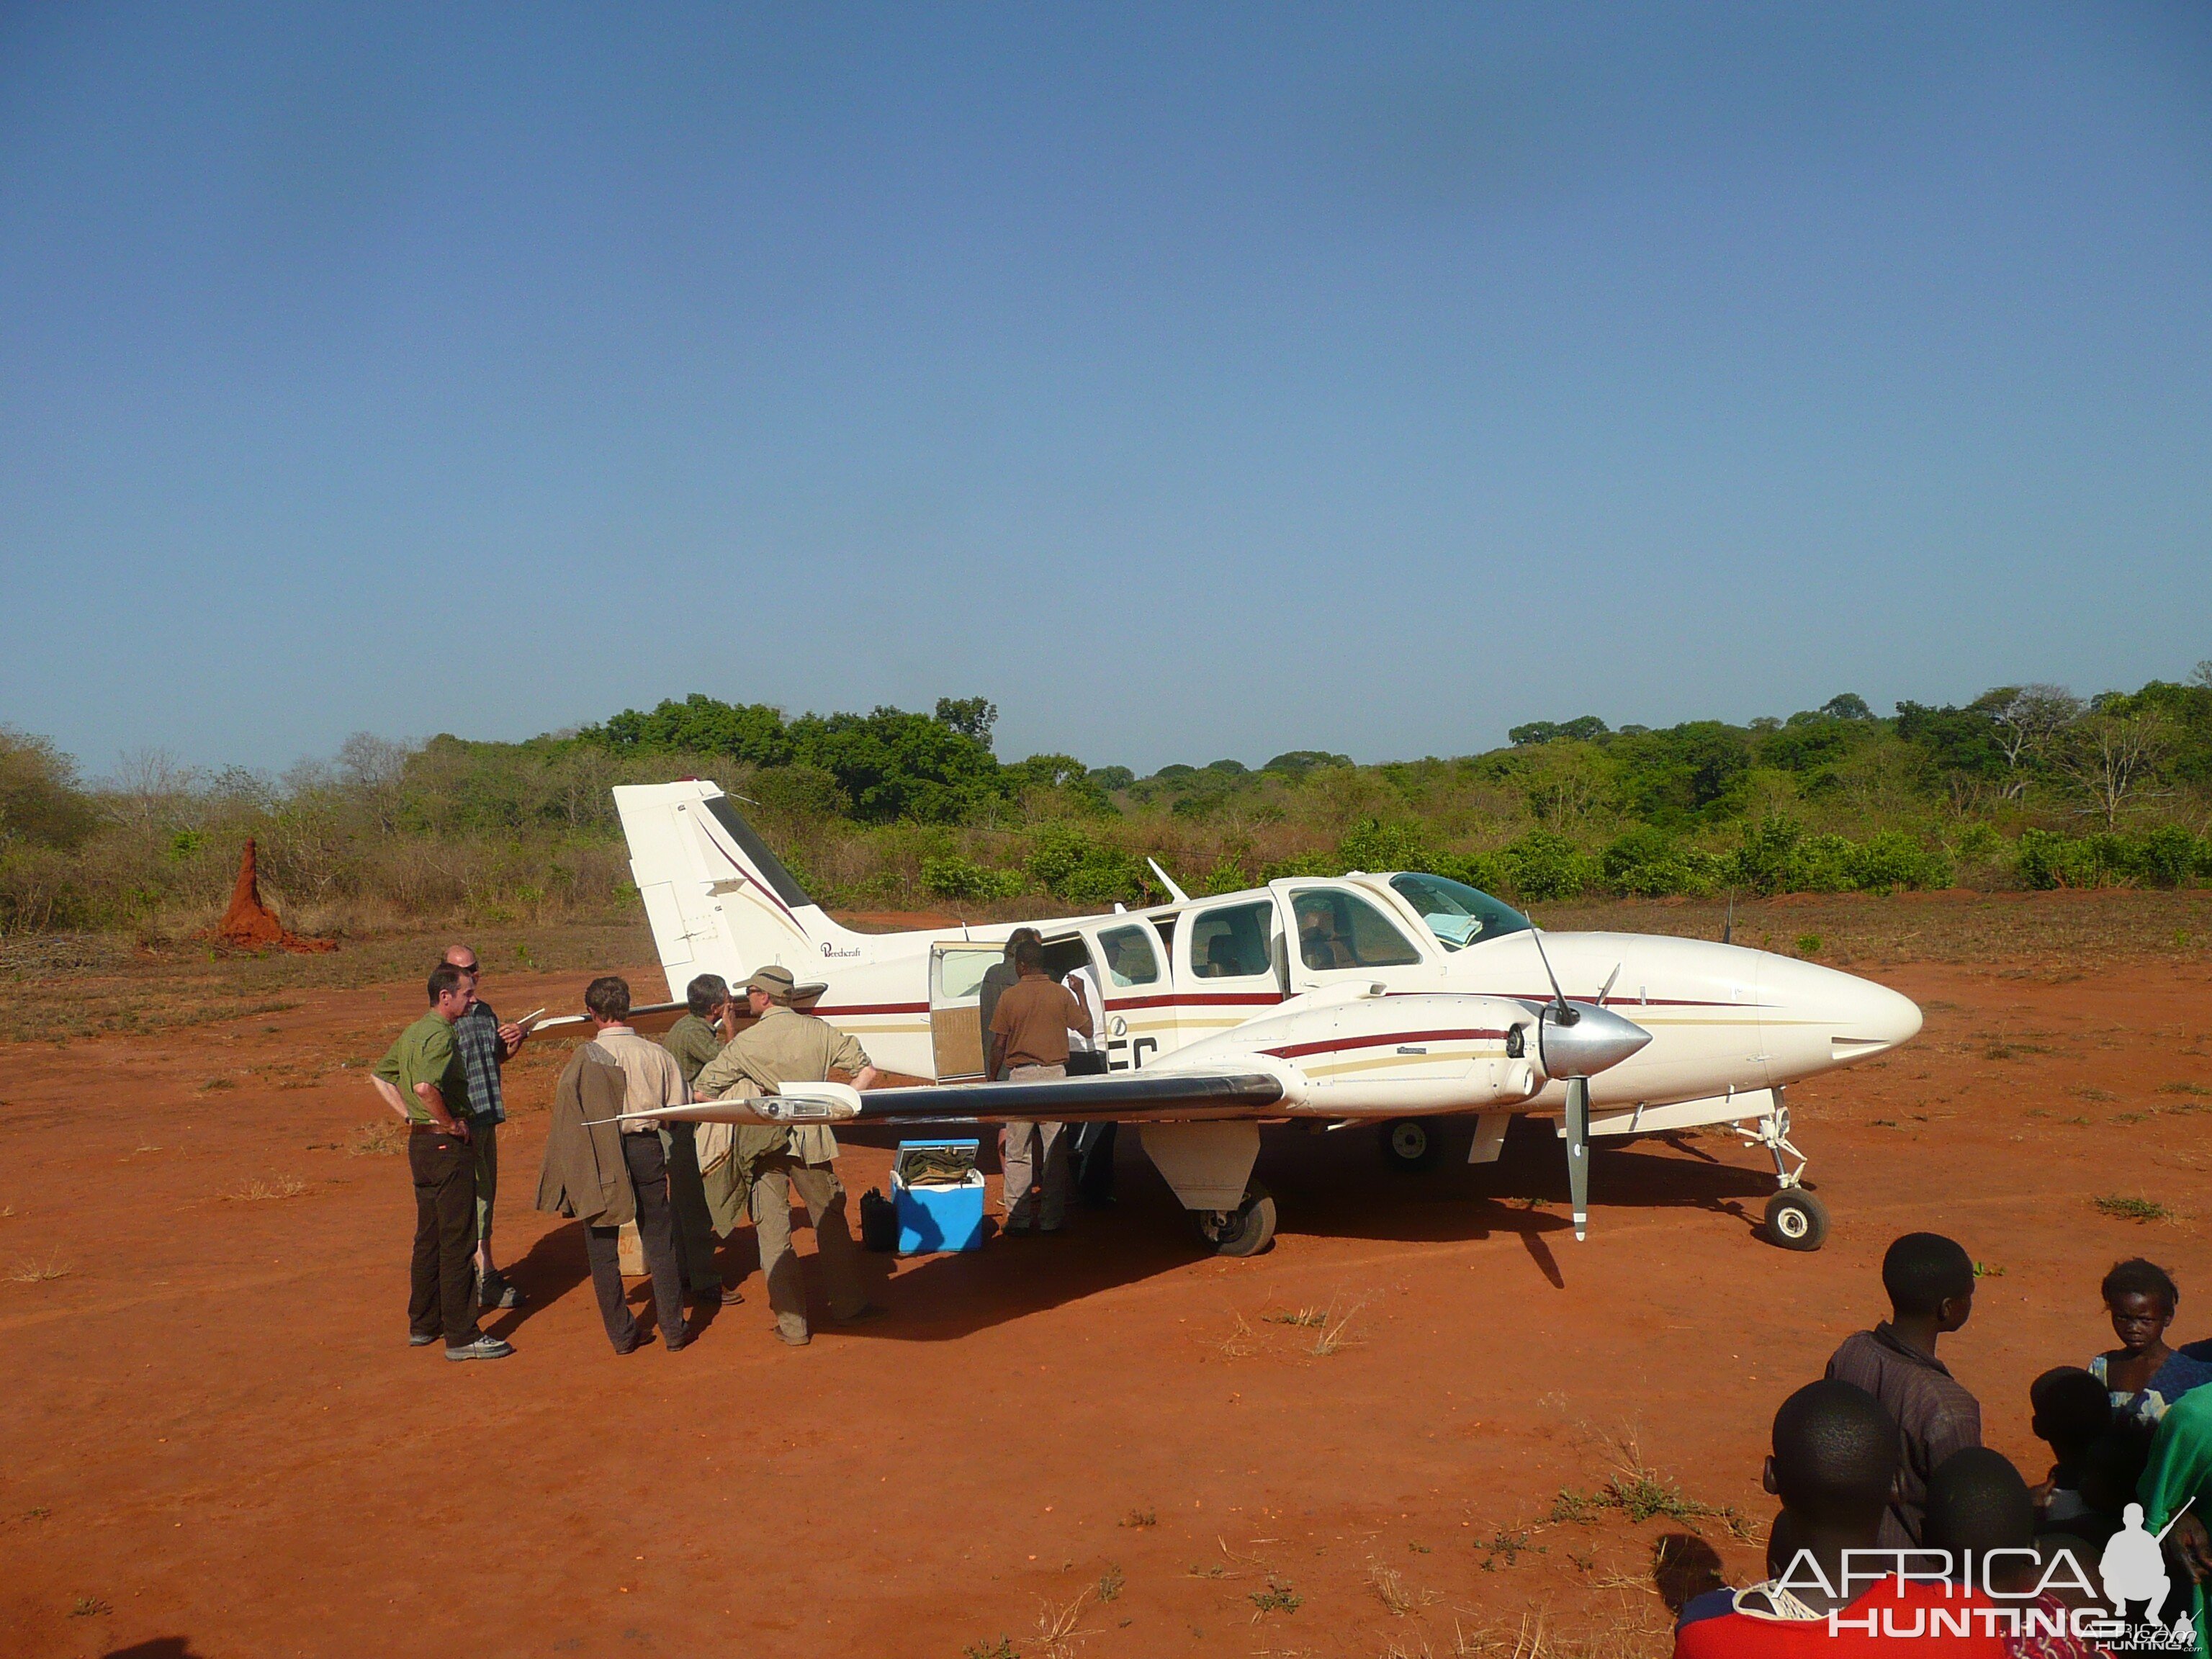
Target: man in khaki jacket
<point x="785" y="1046"/>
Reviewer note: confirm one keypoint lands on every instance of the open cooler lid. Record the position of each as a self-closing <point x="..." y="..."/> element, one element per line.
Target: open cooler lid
<point x="935" y="1163"/>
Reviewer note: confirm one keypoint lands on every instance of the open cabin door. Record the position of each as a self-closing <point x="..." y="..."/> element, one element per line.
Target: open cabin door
<point x="957" y="967"/>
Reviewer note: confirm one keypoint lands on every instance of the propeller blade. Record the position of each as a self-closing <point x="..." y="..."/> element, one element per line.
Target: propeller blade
<point x="1607" y="986"/>
<point x="1728" y="927"/>
<point x="1578" y="1153"/>
<point x="1558" y="997"/>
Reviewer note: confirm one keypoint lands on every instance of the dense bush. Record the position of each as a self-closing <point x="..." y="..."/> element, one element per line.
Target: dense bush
<point x="2025" y="785"/>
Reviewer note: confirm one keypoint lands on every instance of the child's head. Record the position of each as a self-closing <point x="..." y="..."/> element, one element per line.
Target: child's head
<point x="2111" y="1469"/>
<point x="1929" y="1276"/>
<point x="2071" y="1410"/>
<point x="1977" y="1501"/>
<point x="1835" y="1461"/>
<point x="2142" y="1297"/>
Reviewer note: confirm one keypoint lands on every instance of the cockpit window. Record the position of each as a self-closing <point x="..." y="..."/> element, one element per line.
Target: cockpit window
<point x="1457" y="914"/>
<point x="1338" y="930"/>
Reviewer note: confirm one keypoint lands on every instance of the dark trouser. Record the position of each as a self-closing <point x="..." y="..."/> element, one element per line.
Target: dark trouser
<point x="443" y="1295"/>
<point x="695" y="1223"/>
<point x="1094" y="1162"/>
<point x="656" y="1230"/>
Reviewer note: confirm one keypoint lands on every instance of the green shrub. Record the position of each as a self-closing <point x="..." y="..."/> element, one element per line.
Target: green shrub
<point x="1544" y="865"/>
<point x="957" y="878"/>
<point x="1072" y="864"/>
<point x="1891" y="858"/>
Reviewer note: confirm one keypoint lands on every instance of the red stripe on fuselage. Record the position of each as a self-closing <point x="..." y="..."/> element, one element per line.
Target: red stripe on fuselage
<point x="1331" y="1045"/>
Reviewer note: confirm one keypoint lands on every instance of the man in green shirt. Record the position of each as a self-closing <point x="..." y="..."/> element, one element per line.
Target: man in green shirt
<point x="422" y="1078"/>
<point x="693" y="1040"/>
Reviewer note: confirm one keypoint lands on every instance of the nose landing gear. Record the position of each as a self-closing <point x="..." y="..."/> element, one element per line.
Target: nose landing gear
<point x="1795" y="1218"/>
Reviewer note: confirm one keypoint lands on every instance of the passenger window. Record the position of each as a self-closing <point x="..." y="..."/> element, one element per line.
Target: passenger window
<point x="1231" y="943"/>
<point x="1338" y="930"/>
<point x="1129" y="957"/>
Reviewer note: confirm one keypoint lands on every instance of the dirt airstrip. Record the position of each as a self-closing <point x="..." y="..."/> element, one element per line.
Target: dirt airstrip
<point x="213" y="1439"/>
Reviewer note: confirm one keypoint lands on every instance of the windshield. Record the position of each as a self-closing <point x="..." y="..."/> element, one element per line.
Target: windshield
<point x="1457" y="914"/>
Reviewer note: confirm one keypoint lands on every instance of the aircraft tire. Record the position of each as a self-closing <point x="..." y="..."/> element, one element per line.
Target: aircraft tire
<point x="1246" y="1231"/>
<point x="1408" y="1145"/>
<point x="1796" y="1220"/>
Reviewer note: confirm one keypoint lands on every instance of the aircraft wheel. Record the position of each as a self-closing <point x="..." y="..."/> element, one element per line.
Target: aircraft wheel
<point x="1246" y="1231"/>
<point x="1409" y="1145"/>
<point x="1796" y="1220"/>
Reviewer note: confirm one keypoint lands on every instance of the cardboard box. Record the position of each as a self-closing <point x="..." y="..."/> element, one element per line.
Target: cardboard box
<point x="935" y="1213"/>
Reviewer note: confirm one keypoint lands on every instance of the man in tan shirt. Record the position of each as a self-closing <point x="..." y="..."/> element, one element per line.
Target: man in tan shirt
<point x="1028" y="1044"/>
<point x="653" y="1079"/>
<point x="785" y="1046"/>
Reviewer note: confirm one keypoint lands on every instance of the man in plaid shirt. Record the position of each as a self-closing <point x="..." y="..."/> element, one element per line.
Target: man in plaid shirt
<point x="485" y="1045"/>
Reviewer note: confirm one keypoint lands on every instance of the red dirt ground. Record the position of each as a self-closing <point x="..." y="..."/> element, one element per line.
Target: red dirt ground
<point x="217" y="1442"/>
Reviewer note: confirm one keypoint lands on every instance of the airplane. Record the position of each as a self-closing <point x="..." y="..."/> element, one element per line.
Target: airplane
<point x="1388" y="999"/>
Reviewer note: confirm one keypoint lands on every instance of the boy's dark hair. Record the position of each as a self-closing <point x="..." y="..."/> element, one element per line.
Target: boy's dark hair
<point x="444" y="980"/>
<point x="1978" y="1501"/>
<point x="2136" y="1277"/>
<point x="2071" y="1409"/>
<point x="706" y="994"/>
<point x="1014" y="941"/>
<point x="1923" y="1271"/>
<point x="1835" y="1453"/>
<point x="607" y="997"/>
<point x="2113" y="1468"/>
<point x="1029" y="954"/>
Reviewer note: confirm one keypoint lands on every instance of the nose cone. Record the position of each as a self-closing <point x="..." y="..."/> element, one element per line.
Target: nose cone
<point x="1849" y="1018"/>
<point x="1598" y="1039"/>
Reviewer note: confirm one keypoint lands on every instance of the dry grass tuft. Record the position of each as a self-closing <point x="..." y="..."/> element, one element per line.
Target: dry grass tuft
<point x="1332" y="1333"/>
<point x="253" y="1191"/>
<point x="1241" y="1341"/>
<point x="383" y="1139"/>
<point x="37" y="1272"/>
<point x="1056" y="1631"/>
<point x="1304" y="1316"/>
<point x="87" y="1607"/>
<point x="1394" y="1592"/>
<point x="2134" y="1209"/>
<point x="1140" y="1518"/>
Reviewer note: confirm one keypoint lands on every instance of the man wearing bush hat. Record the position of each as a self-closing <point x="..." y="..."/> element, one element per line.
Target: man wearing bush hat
<point x="785" y="1046"/>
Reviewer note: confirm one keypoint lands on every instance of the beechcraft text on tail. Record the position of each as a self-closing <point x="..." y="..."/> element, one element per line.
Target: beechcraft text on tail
<point x="1390" y="999"/>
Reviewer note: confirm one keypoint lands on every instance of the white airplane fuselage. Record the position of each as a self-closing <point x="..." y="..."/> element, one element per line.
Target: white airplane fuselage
<point x="1389" y="1017"/>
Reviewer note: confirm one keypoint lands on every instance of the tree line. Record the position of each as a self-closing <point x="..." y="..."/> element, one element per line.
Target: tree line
<point x="2025" y="785"/>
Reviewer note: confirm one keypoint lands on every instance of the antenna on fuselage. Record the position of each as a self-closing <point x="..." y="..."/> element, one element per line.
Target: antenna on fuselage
<point x="1168" y="882"/>
<point x="1728" y="927"/>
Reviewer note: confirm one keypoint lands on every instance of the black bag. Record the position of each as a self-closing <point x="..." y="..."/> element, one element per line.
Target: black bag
<point x="879" y="1224"/>
<point x="1086" y="1063"/>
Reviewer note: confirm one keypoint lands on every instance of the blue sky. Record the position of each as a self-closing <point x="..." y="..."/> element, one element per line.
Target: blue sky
<point x="1193" y="381"/>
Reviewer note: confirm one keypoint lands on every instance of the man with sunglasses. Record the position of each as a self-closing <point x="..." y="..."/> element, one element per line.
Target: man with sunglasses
<point x="485" y="1046"/>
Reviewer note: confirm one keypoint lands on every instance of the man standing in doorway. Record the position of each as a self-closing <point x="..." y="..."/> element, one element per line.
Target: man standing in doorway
<point x="421" y="1077"/>
<point x="785" y="1046"/>
<point x="486" y="1045"/>
<point x="999" y="979"/>
<point x="1028" y="1044"/>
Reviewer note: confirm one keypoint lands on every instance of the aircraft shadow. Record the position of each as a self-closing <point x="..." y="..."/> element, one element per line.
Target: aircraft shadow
<point x="1337" y="1185"/>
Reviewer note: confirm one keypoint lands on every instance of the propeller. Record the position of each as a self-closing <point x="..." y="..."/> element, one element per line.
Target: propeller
<point x="1575" y="1041"/>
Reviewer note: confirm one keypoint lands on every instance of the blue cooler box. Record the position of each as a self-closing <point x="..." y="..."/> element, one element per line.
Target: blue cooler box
<point x="935" y="1217"/>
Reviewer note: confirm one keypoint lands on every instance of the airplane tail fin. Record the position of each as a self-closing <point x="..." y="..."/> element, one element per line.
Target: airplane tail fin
<point x="719" y="900"/>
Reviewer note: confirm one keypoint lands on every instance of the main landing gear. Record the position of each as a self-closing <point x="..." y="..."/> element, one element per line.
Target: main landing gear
<point x="1245" y="1230"/>
<point x="1408" y="1145"/>
<point x="1795" y="1218"/>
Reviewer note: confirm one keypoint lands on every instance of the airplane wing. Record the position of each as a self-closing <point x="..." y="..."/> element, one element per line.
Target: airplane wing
<point x="1122" y="1096"/>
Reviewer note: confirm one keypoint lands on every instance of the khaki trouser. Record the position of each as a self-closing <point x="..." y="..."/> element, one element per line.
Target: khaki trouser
<point x="776" y="1177"/>
<point x="1023" y="1147"/>
<point x="687" y="1192"/>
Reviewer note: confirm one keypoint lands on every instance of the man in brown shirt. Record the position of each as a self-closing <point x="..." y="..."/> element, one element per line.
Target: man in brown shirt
<point x="1930" y="1281"/>
<point x="1028" y="1044"/>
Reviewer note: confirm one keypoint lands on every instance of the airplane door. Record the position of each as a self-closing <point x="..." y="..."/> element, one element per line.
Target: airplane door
<point x="956" y="1019"/>
<point x="1128" y="959"/>
<point x="1228" y="966"/>
<point x="1333" y="933"/>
